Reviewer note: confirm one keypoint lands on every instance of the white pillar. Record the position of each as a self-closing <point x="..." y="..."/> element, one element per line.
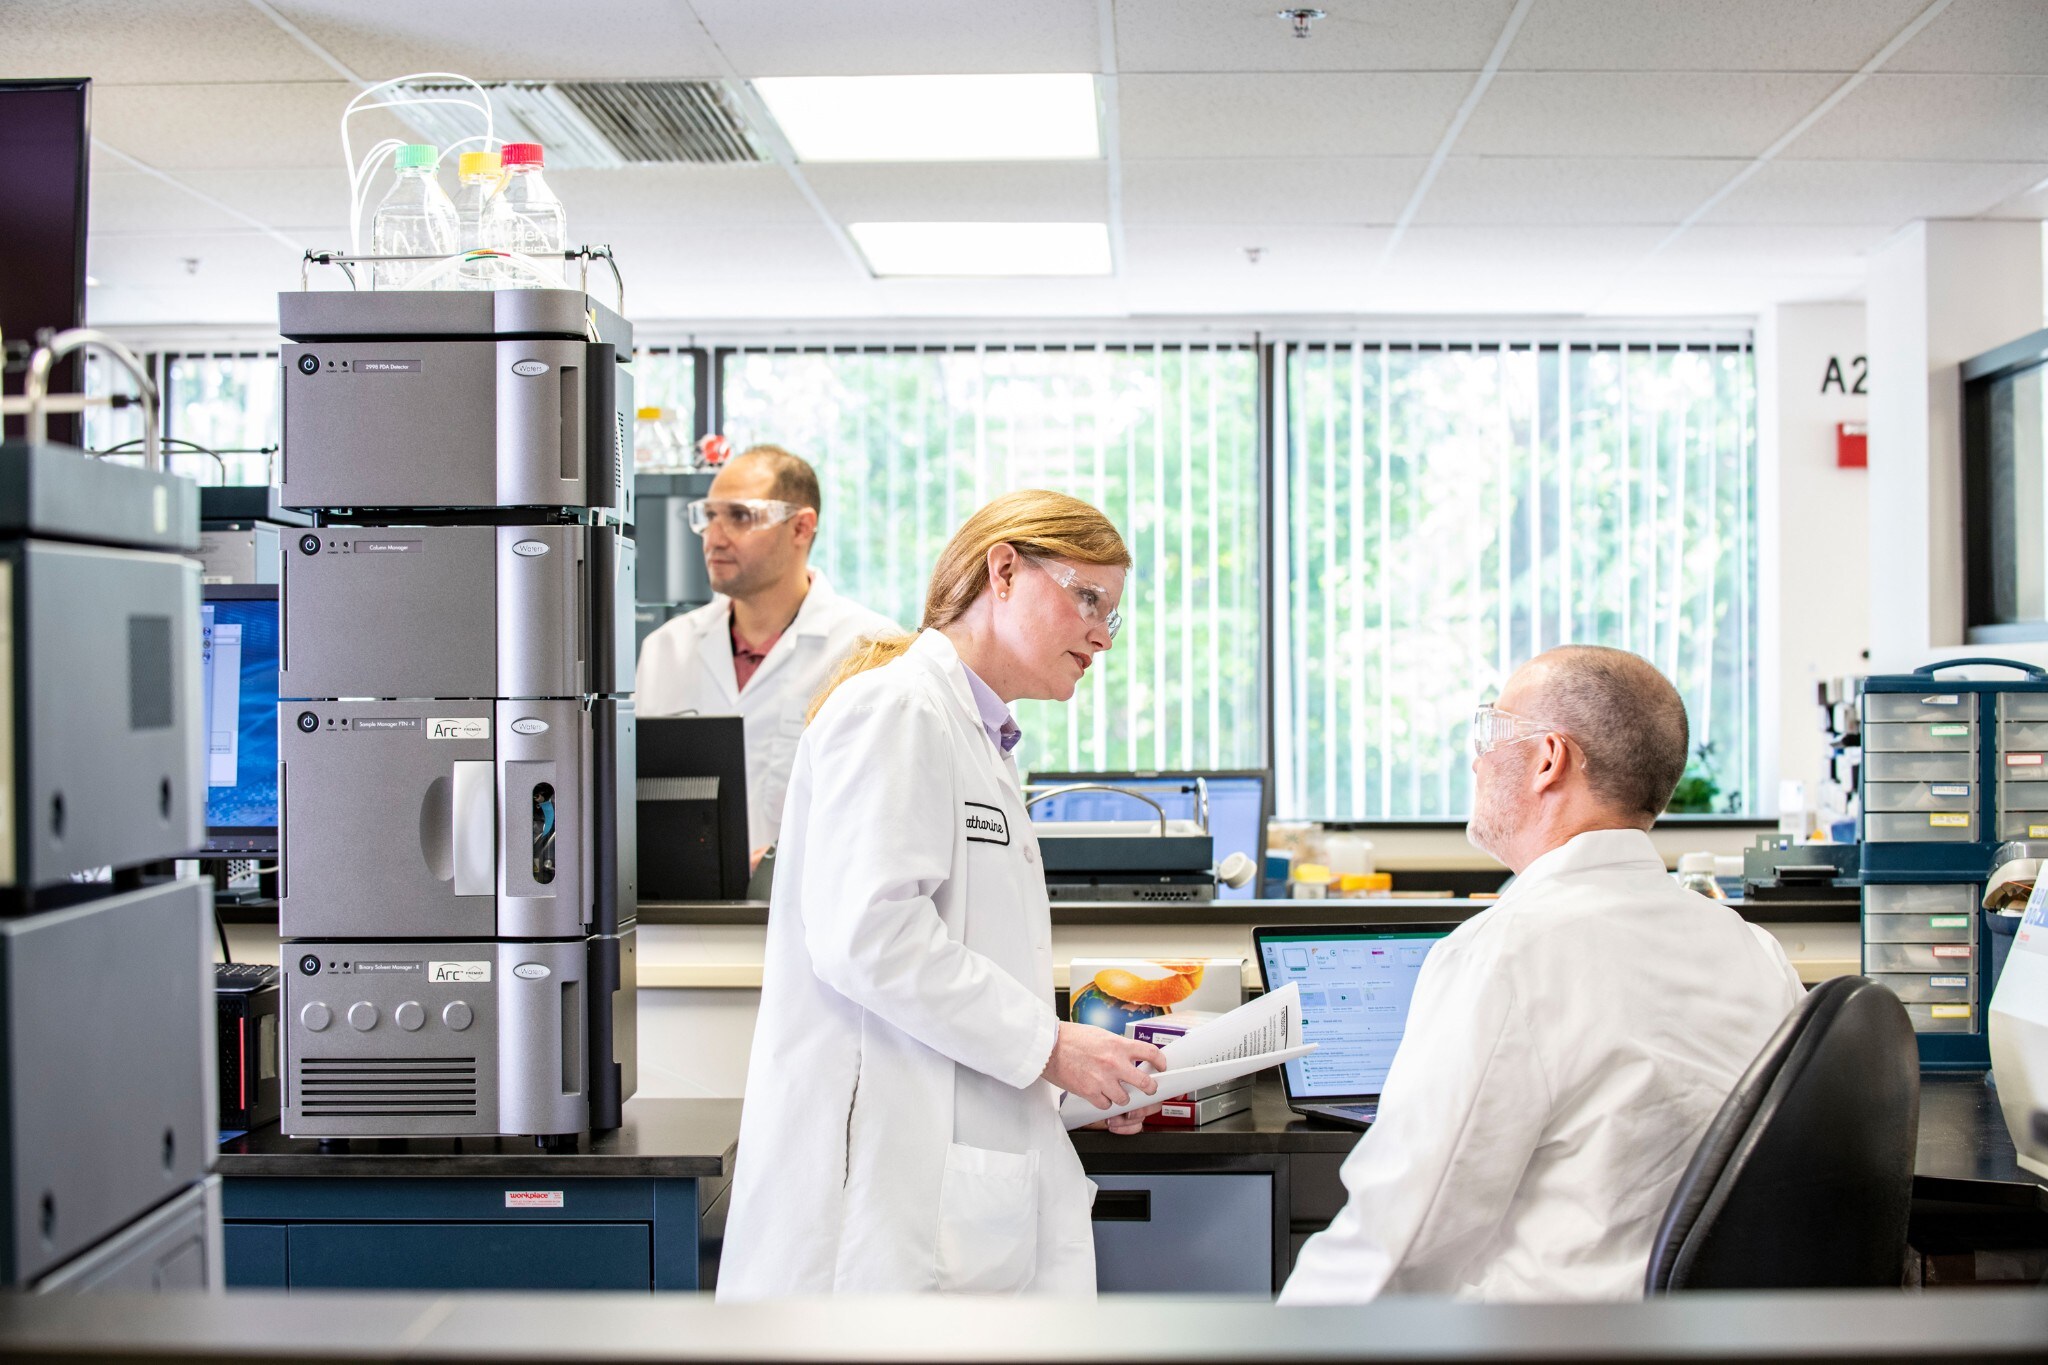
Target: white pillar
<point x="1940" y="292"/>
<point x="1814" y="529"/>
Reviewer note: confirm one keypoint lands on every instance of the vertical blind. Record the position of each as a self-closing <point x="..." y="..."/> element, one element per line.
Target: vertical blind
<point x="1451" y="511"/>
<point x="909" y="441"/>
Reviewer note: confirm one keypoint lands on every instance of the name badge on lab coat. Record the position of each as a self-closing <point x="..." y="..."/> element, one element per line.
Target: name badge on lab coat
<point x="987" y="825"/>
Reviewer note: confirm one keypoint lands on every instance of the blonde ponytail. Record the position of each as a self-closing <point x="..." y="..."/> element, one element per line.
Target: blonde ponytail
<point x="1035" y="520"/>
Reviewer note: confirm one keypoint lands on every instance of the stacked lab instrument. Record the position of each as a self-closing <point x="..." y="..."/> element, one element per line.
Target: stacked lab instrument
<point x="1951" y="769"/>
<point x="457" y="884"/>
<point x="106" y="974"/>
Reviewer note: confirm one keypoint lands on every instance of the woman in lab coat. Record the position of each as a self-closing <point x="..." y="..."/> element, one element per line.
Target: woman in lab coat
<point x="902" y="1130"/>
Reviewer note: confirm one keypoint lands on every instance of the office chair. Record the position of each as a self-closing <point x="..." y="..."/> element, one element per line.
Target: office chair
<point x="1805" y="1177"/>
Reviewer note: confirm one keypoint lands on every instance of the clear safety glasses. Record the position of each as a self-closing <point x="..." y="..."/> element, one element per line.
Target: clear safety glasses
<point x="1493" y="727"/>
<point x="739" y="515"/>
<point x="1091" y="598"/>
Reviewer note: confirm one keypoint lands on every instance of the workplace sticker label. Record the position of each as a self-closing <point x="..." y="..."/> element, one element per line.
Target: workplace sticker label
<point x="1948" y="921"/>
<point x="1949" y="1011"/>
<point x="1948" y="819"/>
<point x="2024" y="760"/>
<point x="1951" y="699"/>
<point x="1948" y="731"/>
<point x="533" y="1199"/>
<point x="1949" y="789"/>
<point x="458" y="727"/>
<point x="2037" y="831"/>
<point x="1948" y="983"/>
<point x="458" y="971"/>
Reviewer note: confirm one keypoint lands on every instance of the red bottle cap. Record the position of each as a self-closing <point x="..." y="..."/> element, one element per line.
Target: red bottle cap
<point x="522" y="154"/>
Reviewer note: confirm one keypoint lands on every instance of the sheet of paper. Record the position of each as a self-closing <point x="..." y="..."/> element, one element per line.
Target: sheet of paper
<point x="1252" y="1037"/>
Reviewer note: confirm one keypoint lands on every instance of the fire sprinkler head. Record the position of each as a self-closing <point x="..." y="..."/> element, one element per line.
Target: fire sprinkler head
<point x="1301" y="19"/>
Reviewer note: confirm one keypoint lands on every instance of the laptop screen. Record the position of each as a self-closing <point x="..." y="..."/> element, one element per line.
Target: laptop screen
<point x="1356" y="985"/>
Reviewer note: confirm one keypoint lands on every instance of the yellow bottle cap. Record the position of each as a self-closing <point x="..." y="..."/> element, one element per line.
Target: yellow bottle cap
<point x="649" y="414"/>
<point x="1312" y="872"/>
<point x="477" y="163"/>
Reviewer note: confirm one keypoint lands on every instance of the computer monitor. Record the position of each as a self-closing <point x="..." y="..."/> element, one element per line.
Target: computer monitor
<point x="692" y="808"/>
<point x="1238" y="809"/>
<point x="238" y="652"/>
<point x="1356" y="985"/>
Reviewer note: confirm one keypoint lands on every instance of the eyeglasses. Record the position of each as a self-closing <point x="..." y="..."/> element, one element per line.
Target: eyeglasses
<point x="1493" y="727"/>
<point x="1089" y="597"/>
<point x="739" y="515"/>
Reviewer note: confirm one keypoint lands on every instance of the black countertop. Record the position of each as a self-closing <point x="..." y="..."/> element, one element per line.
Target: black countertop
<point x="1965" y="1153"/>
<point x="660" y="1139"/>
<point x="1256" y="913"/>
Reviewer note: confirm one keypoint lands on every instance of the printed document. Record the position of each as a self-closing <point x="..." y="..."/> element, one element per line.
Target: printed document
<point x="1252" y="1037"/>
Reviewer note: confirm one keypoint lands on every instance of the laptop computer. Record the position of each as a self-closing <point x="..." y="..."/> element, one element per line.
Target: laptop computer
<point x="1356" y="984"/>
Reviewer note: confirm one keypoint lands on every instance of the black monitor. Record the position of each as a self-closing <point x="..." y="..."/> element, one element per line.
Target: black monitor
<point x="693" y="808"/>
<point x="45" y="148"/>
<point x="1239" y="807"/>
<point x="238" y="644"/>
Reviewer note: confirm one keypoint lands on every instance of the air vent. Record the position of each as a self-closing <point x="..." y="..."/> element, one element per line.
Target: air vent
<point x="431" y="1087"/>
<point x="599" y="124"/>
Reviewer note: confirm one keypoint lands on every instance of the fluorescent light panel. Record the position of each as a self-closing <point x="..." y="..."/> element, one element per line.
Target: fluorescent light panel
<point x="983" y="250"/>
<point x="935" y="118"/>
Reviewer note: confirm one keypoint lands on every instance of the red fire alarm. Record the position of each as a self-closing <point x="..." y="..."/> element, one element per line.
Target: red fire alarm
<point x="1852" y="445"/>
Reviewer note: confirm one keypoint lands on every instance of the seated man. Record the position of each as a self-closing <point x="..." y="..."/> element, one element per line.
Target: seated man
<point x="1567" y="1047"/>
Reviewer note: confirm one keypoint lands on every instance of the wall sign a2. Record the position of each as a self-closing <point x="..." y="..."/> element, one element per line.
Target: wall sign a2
<point x="1838" y="381"/>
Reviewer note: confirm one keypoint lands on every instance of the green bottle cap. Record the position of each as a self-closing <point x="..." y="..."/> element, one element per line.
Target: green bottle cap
<point x="418" y="156"/>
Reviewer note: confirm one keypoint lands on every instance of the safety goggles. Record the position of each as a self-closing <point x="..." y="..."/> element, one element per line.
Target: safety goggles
<point x="1493" y="727"/>
<point x="1090" y="598"/>
<point x="739" y="515"/>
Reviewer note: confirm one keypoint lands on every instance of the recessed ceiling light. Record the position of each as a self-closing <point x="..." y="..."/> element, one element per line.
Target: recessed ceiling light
<point x="935" y="118"/>
<point x="984" y="249"/>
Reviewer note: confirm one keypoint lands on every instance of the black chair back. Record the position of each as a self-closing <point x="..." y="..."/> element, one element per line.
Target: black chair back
<point x="1805" y="1178"/>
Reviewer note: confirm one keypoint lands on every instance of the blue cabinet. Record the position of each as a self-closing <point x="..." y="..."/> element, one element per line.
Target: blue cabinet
<point x="461" y="1233"/>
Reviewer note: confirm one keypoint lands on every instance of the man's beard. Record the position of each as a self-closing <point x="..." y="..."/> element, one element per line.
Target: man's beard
<point x="1489" y="828"/>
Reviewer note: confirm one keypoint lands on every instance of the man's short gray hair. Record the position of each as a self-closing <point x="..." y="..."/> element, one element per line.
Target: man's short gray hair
<point x="1628" y="719"/>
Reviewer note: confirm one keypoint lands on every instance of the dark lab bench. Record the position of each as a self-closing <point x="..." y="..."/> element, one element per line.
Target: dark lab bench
<point x="1968" y="1186"/>
<point x="623" y="1211"/>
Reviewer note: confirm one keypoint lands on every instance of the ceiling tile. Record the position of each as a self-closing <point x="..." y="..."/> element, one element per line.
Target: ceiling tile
<point x="1001" y="298"/>
<point x="1303" y="191"/>
<point x="1983" y="36"/>
<point x="1684" y="35"/>
<point x="1934" y="118"/>
<point x="1213" y="295"/>
<point x="1621" y="190"/>
<point x="779" y="251"/>
<point x="507" y="39"/>
<point x="279" y="197"/>
<point x="221" y="127"/>
<point x="2032" y="202"/>
<point x="1721" y="296"/>
<point x="604" y="202"/>
<point x="937" y="192"/>
<point x="1318" y="114"/>
<point x="1285" y="252"/>
<point x="170" y="41"/>
<point x="1519" y="249"/>
<point x="130" y="202"/>
<point x="1662" y="114"/>
<point x="1772" y="250"/>
<point x="1891" y="192"/>
<point x="1238" y="35"/>
<point x="1487" y="290"/>
<point x="236" y="278"/>
<point x="903" y="37"/>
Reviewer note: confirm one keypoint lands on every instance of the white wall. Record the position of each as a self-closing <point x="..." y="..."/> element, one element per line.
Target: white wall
<point x="1815" y="528"/>
<point x="1939" y="293"/>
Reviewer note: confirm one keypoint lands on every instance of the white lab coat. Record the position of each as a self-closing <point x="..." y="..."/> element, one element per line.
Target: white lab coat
<point x="1565" y="1052"/>
<point x="686" y="666"/>
<point x="896" y="1135"/>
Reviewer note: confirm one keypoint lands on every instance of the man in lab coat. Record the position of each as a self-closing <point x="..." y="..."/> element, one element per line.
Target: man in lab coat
<point x="1567" y="1047"/>
<point x="764" y="647"/>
